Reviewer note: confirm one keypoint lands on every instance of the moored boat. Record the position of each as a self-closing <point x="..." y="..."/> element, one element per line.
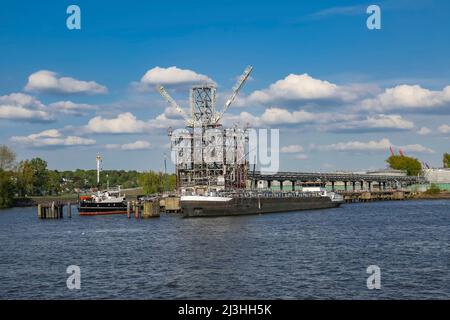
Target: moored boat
<point x="255" y="202"/>
<point x="103" y="203"/>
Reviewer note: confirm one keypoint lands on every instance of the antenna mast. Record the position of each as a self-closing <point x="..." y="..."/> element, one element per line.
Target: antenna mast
<point x="99" y="161"/>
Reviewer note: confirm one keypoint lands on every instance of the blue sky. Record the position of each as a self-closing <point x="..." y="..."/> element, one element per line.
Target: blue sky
<point x="340" y="94"/>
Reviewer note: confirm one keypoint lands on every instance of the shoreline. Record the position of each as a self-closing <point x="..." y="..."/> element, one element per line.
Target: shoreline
<point x="439" y="196"/>
<point x="34" y="201"/>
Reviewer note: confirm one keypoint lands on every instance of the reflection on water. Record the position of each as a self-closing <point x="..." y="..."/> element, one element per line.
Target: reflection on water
<point x="310" y="254"/>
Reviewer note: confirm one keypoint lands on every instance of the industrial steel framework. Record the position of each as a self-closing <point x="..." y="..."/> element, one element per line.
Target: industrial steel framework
<point x="209" y="156"/>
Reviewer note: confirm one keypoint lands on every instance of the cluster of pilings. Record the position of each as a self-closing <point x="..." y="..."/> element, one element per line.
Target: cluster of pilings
<point x="145" y="209"/>
<point x="170" y="204"/>
<point x="54" y="210"/>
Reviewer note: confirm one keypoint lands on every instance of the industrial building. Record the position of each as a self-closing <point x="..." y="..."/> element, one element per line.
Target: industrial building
<point x="206" y="155"/>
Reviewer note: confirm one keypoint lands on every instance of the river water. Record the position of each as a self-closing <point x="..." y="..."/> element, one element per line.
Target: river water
<point x="320" y="254"/>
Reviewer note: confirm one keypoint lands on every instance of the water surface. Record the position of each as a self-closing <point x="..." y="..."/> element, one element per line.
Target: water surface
<point x="299" y="255"/>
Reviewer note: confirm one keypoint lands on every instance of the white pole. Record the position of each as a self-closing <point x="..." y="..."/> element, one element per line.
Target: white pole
<point x="99" y="160"/>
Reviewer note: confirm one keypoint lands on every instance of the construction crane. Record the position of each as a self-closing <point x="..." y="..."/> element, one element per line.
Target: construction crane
<point x="240" y="82"/>
<point x="171" y="101"/>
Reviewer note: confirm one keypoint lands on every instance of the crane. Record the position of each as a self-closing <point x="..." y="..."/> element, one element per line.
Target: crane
<point x="240" y="82"/>
<point x="392" y="151"/>
<point x="171" y="101"/>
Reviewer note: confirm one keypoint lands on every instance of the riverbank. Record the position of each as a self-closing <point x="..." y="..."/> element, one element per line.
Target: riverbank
<point x="438" y="196"/>
<point x="34" y="201"/>
<point x="132" y="194"/>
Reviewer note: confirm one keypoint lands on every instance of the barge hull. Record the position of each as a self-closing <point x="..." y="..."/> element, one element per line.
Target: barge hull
<point x="248" y="206"/>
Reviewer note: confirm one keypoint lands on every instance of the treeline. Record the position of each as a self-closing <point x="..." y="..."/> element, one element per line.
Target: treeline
<point x="156" y="182"/>
<point x="446" y="160"/>
<point x="411" y="165"/>
<point x="32" y="178"/>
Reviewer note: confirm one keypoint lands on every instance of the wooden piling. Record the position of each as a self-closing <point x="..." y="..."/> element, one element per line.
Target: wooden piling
<point x="39" y="208"/>
<point x="136" y="211"/>
<point x="151" y="209"/>
<point x="172" y="204"/>
<point x="128" y="210"/>
<point x="52" y="211"/>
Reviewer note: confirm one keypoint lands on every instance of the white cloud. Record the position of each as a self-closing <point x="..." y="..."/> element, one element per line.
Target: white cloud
<point x="123" y="123"/>
<point x="171" y="77"/>
<point x="416" y="148"/>
<point x="19" y="106"/>
<point x="344" y="10"/>
<point x="301" y="156"/>
<point x="243" y="118"/>
<point x="382" y="145"/>
<point x="127" y="123"/>
<point x="273" y="116"/>
<point x="424" y="131"/>
<point x="293" y="148"/>
<point x="444" y="129"/>
<point x="19" y="113"/>
<point x="71" y="108"/>
<point x="137" y="145"/>
<point x="279" y="116"/>
<point x="51" y="138"/>
<point x="21" y="100"/>
<point x="376" y="122"/>
<point x="410" y="97"/>
<point x="344" y="121"/>
<point x="48" y="81"/>
<point x="283" y="116"/>
<point x="302" y="87"/>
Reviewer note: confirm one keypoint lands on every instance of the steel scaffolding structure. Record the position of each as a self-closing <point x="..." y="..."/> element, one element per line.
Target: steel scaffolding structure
<point x="207" y="155"/>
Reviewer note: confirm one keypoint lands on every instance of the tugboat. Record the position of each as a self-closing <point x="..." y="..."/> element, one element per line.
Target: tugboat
<point x="103" y="203"/>
<point x="110" y="201"/>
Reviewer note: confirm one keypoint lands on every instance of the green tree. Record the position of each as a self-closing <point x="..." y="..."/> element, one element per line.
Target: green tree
<point x="150" y="182"/>
<point x="53" y="182"/>
<point x="411" y="165"/>
<point x="25" y="178"/>
<point x="7" y="158"/>
<point x="32" y="177"/>
<point x="446" y="160"/>
<point x="40" y="182"/>
<point x="6" y="189"/>
<point x="172" y="182"/>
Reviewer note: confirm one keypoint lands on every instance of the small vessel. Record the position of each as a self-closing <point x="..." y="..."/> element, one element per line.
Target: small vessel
<point x="110" y="201"/>
<point x="103" y="203"/>
<point x="257" y="202"/>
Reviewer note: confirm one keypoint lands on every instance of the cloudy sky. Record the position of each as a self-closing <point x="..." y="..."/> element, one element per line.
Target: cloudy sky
<point x="340" y="94"/>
